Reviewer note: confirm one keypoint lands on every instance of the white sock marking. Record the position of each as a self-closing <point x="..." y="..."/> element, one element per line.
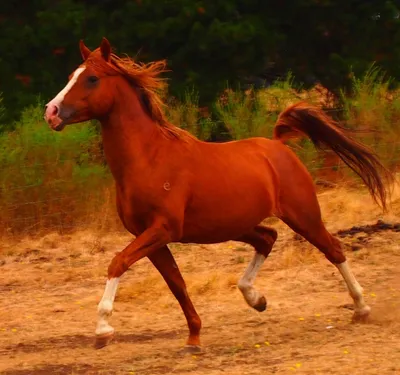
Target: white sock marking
<point x="354" y="287"/>
<point x="61" y="95"/>
<point x="245" y="284"/>
<point x="105" y="307"/>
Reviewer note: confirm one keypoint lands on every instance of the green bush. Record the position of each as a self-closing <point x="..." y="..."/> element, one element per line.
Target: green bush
<point x="60" y="181"/>
<point x="253" y="113"/>
<point x="49" y="179"/>
<point x="373" y="110"/>
<point x="187" y="115"/>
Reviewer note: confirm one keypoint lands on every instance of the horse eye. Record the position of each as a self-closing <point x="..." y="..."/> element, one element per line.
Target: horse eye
<point x="93" y="79"/>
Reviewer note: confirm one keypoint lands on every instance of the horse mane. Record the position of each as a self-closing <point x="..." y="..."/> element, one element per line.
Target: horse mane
<point x="146" y="78"/>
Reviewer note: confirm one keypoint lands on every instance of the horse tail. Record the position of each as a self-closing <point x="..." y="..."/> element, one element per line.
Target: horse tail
<point x="302" y="119"/>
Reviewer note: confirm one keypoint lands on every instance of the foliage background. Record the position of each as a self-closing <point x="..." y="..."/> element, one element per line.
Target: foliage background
<point x="235" y="66"/>
<point x="207" y="43"/>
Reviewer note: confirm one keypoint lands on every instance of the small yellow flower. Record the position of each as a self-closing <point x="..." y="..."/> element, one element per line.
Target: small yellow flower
<point x="298" y="365"/>
<point x="13" y="330"/>
<point x="345" y="351"/>
<point x="373" y="295"/>
<point x="267" y="343"/>
<point x="317" y="315"/>
<point x="301" y="318"/>
<point x="194" y="356"/>
<point x="257" y="346"/>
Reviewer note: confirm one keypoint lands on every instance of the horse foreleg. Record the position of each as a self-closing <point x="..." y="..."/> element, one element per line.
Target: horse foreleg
<point x="262" y="239"/>
<point x="165" y="263"/>
<point x="144" y="245"/>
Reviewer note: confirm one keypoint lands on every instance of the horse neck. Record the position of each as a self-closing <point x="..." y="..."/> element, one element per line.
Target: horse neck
<point x="130" y="136"/>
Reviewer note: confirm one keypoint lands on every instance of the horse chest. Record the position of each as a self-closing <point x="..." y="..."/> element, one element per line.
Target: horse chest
<point x="138" y="207"/>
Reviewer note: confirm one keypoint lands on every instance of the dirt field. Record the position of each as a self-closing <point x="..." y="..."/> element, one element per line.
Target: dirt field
<point x="50" y="288"/>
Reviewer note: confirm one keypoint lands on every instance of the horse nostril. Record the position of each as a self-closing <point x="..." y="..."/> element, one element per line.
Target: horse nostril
<point x="54" y="109"/>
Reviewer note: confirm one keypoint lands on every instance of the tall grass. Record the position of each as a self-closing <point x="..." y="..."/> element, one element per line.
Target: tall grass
<point x="51" y="181"/>
<point x="254" y="113"/>
<point x="59" y="181"/>
<point x="375" y="110"/>
<point x="188" y="115"/>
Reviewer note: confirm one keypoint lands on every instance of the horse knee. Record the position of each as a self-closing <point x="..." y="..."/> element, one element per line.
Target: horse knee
<point x="117" y="266"/>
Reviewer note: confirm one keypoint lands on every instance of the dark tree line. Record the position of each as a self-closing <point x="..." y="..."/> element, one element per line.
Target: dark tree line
<point x="207" y="43"/>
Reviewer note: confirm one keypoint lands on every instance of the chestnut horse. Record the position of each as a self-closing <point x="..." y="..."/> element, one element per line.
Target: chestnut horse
<point x="172" y="187"/>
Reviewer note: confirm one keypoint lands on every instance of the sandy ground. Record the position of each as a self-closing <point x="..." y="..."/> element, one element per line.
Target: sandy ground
<point x="50" y="288"/>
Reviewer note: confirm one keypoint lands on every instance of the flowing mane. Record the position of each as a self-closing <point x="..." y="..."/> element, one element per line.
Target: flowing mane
<point x="146" y="78"/>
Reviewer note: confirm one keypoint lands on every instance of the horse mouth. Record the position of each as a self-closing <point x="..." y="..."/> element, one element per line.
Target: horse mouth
<point x="56" y="123"/>
<point x="59" y="127"/>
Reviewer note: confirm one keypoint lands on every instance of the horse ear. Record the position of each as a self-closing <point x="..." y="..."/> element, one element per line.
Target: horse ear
<point x="105" y="49"/>
<point x="85" y="52"/>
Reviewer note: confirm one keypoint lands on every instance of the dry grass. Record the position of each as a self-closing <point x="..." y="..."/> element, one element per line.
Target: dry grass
<point x="51" y="286"/>
<point x="59" y="182"/>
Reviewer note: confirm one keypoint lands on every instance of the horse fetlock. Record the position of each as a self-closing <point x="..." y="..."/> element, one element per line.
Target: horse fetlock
<point x="243" y="286"/>
<point x="105" y="308"/>
<point x="253" y="297"/>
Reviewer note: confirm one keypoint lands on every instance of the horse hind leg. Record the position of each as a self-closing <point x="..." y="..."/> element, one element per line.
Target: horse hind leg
<point x="262" y="239"/>
<point x="311" y="227"/>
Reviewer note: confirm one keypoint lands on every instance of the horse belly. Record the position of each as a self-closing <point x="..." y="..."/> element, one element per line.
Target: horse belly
<point x="226" y="214"/>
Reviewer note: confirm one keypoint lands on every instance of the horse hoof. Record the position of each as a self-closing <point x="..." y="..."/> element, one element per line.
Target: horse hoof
<point x="261" y="305"/>
<point x="103" y="340"/>
<point x="192" y="349"/>
<point x="361" y="316"/>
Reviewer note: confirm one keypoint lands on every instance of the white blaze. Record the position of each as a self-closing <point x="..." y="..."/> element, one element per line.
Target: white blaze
<point x="61" y="95"/>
